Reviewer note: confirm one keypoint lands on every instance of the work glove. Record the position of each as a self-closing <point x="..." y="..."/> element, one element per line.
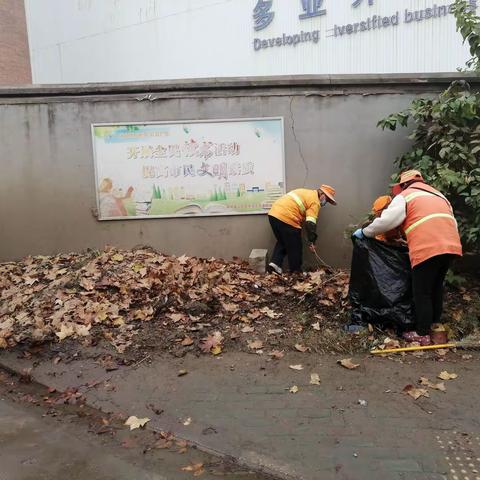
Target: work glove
<point x="358" y="234"/>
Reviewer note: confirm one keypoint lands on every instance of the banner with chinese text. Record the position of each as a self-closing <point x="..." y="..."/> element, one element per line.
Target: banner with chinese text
<point x="202" y="168"/>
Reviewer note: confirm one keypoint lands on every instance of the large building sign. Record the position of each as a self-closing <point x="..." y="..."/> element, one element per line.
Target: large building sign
<point x="228" y="167"/>
<point x="178" y="39"/>
<point x="264" y="14"/>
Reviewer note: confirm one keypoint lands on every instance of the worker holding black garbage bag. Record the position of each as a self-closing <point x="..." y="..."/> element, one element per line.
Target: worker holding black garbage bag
<point x="427" y="220"/>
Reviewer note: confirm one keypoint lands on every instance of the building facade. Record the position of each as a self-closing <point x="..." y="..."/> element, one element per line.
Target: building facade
<point x="80" y="41"/>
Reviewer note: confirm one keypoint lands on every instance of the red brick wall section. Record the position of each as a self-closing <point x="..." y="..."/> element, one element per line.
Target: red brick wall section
<point x="14" y="53"/>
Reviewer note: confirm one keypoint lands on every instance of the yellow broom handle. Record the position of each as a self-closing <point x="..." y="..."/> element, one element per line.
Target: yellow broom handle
<point x="413" y="349"/>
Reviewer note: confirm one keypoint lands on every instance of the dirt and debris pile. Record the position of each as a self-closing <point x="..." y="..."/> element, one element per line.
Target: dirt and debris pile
<point x="182" y="303"/>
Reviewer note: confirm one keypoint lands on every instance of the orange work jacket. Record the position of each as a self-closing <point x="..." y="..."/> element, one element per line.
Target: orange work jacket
<point x="296" y="207"/>
<point x="430" y="226"/>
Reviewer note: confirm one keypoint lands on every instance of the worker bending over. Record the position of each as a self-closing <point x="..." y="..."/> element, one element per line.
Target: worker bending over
<point x="394" y="236"/>
<point x="426" y="218"/>
<point x="287" y="216"/>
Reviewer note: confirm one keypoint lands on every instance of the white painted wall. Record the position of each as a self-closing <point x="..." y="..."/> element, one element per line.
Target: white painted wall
<point x="75" y="41"/>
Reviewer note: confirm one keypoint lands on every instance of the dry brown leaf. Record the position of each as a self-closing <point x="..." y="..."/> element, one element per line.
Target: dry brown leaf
<point x="275" y="331"/>
<point x="436" y="386"/>
<point x="316" y="326"/>
<point x="296" y="367"/>
<point x="211" y="342"/>
<point x="187" y="341"/>
<point x="447" y="376"/>
<point x="65" y="331"/>
<point x="347" y="363"/>
<point x="248" y="329"/>
<point x="293" y="389"/>
<point x="182" y="446"/>
<point x="255" y="344"/>
<point x="415" y="393"/>
<point x="277" y="355"/>
<point x="301" y="348"/>
<point x="176" y="317"/>
<point x="231" y="307"/>
<point x="270" y="313"/>
<point x="134" y="422"/>
<point x="216" y="350"/>
<point x="196" y="468"/>
<point x="87" y="284"/>
<point x="314" y="379"/>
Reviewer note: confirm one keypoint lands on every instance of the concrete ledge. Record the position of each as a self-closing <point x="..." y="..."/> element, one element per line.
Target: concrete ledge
<point x="215" y="84"/>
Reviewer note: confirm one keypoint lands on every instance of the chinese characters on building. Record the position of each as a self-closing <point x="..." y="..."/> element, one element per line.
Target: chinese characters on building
<point x="357" y="3"/>
<point x="312" y="8"/>
<point x="262" y="15"/>
<point x="263" y="12"/>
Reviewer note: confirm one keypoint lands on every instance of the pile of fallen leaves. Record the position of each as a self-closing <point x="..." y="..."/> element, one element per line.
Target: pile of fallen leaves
<point x="144" y="300"/>
<point x="140" y="301"/>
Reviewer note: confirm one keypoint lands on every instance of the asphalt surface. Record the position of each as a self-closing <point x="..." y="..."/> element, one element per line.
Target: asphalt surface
<point x="41" y="442"/>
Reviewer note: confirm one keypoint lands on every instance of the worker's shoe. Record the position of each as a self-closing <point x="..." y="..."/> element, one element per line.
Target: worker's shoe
<point x="273" y="267"/>
<point x="423" y="340"/>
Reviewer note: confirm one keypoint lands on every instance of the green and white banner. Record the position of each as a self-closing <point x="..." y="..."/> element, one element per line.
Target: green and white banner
<point x="201" y="168"/>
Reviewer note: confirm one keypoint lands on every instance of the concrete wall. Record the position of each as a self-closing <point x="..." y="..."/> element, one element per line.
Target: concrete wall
<point x="47" y="187"/>
<point x="14" y="52"/>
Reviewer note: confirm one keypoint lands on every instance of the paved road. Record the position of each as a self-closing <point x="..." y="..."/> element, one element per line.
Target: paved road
<point x="35" y="446"/>
<point x="240" y="405"/>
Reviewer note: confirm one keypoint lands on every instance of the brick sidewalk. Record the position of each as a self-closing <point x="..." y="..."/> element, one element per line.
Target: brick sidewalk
<point x="240" y="406"/>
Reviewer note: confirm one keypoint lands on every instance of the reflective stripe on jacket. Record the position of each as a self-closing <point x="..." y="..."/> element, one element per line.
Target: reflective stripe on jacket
<point x="296" y="207"/>
<point x="430" y="226"/>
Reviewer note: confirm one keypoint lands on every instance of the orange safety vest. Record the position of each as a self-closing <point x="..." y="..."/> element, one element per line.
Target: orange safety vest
<point x="430" y="226"/>
<point x="297" y="206"/>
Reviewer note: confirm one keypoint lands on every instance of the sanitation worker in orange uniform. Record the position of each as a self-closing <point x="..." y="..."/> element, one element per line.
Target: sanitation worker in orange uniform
<point x="287" y="216"/>
<point x="426" y="218"/>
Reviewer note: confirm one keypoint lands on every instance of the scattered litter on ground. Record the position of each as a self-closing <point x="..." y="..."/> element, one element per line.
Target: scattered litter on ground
<point x="293" y="389"/>
<point x="362" y="403"/>
<point x="314" y="379"/>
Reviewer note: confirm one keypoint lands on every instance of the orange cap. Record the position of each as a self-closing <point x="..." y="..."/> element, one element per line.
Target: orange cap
<point x="405" y="177"/>
<point x="329" y="192"/>
<point x="410" y="175"/>
<point x="381" y="203"/>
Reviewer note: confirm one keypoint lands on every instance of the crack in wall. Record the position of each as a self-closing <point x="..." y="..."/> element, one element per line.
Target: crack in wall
<point x="299" y="145"/>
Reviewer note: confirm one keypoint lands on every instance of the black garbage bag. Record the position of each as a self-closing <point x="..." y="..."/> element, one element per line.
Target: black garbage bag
<point x="380" y="285"/>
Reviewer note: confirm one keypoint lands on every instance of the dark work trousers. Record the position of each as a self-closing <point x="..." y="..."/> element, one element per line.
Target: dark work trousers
<point x="428" y="280"/>
<point x="289" y="243"/>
